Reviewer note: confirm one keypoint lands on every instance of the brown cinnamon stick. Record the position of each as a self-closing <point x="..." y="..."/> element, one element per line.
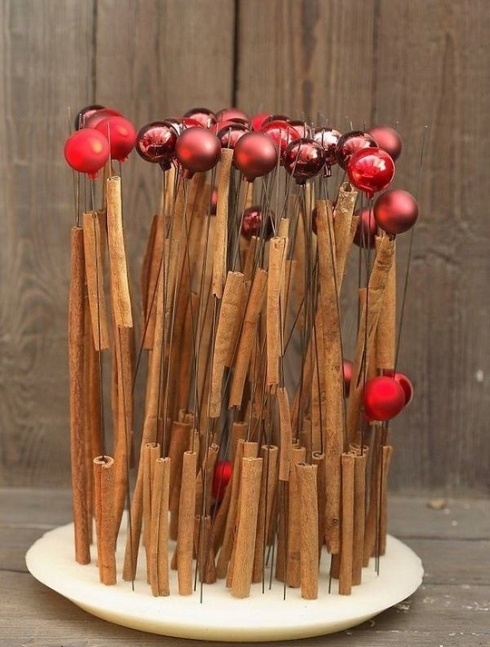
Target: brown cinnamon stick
<point x="104" y="519"/>
<point x="158" y="548"/>
<point x="267" y="499"/>
<point x="221" y="232"/>
<point x="307" y="482"/>
<point x="277" y="252"/>
<point x="185" y="539"/>
<point x="347" y="535"/>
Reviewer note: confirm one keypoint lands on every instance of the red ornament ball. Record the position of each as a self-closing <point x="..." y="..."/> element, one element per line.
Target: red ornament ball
<point x="96" y="117"/>
<point x="351" y="142"/>
<point x="86" y="151"/>
<point x="230" y="114"/>
<point x="384" y="398"/>
<point x="257" y="222"/>
<point x="367" y="228"/>
<point x="86" y="113"/>
<point x="371" y="170"/>
<point x="221" y="478"/>
<point x="281" y="132"/>
<point x="396" y="211"/>
<point x="328" y="138"/>
<point x="121" y="135"/>
<point x="257" y="121"/>
<point x="155" y="143"/>
<point x="404" y="382"/>
<point x="204" y="117"/>
<point x="230" y="133"/>
<point x="388" y="139"/>
<point x="255" y="155"/>
<point x="347" y="373"/>
<point x="304" y="130"/>
<point x="198" y="150"/>
<point x="303" y="159"/>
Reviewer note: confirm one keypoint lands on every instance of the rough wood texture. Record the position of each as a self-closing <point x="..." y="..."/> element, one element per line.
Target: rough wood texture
<point x="347" y="61"/>
<point x="450" y="609"/>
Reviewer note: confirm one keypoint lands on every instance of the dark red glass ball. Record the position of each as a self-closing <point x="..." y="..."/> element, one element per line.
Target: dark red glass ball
<point x="351" y="142"/>
<point x="86" y="113"/>
<point x="86" y="151"/>
<point x="384" y="398"/>
<point x="370" y="170"/>
<point x="197" y="149"/>
<point x="328" y="138"/>
<point x="281" y="133"/>
<point x="204" y="117"/>
<point x="227" y="114"/>
<point x="231" y="133"/>
<point x="93" y="119"/>
<point x="396" y="211"/>
<point x="155" y="142"/>
<point x="304" y="130"/>
<point x="257" y="121"/>
<point x="121" y="135"/>
<point x="257" y="222"/>
<point x="388" y="139"/>
<point x="365" y="235"/>
<point x="255" y="155"/>
<point x="304" y="159"/>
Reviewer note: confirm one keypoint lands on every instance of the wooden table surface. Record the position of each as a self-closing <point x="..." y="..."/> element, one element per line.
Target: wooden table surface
<point x="450" y="609"/>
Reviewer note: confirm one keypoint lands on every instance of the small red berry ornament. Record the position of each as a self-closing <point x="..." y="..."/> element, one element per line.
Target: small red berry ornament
<point x="384" y="398"/>
<point x="396" y="211"/>
<point x="367" y="228"/>
<point x="388" y="139"/>
<point x="121" y="135"/>
<point x="231" y="133"/>
<point x="371" y="170"/>
<point x="255" y="155"/>
<point x="155" y="143"/>
<point x="204" y="117"/>
<point x="281" y="132"/>
<point x="351" y="142"/>
<point x="257" y="222"/>
<point x="304" y="159"/>
<point x="198" y="150"/>
<point x="328" y="138"/>
<point x="404" y="381"/>
<point x="221" y="478"/>
<point x="96" y="117"/>
<point x="86" y="151"/>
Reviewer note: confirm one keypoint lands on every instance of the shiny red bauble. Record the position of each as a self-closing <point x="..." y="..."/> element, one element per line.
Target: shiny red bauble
<point x="365" y="235"/>
<point x="303" y="159"/>
<point x="257" y="222"/>
<point x="384" y="398"/>
<point x="347" y="373"/>
<point x="86" y="113"/>
<point x="96" y="117"/>
<point x="351" y="142"/>
<point x="328" y="138"/>
<point x="230" y="114"/>
<point x="304" y="130"/>
<point x="198" y="150"/>
<point x="221" y="478"/>
<point x="371" y="170"/>
<point x="281" y="132"/>
<point x="257" y="121"/>
<point x="231" y="133"/>
<point x="155" y="143"/>
<point x="255" y="155"/>
<point x="86" y="151"/>
<point x="121" y="135"/>
<point x="388" y="139"/>
<point x="404" y="382"/>
<point x="396" y="211"/>
<point x="204" y="117"/>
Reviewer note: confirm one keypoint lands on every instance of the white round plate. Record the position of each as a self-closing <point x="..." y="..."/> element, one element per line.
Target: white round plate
<point x="211" y="613"/>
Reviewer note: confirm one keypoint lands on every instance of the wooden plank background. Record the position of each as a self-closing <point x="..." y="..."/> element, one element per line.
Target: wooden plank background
<point x="418" y="65"/>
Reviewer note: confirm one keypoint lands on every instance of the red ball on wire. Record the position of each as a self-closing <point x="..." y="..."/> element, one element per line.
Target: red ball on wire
<point x="281" y="132"/>
<point x="155" y="143"/>
<point x="255" y="155"/>
<point x="366" y="230"/>
<point x="198" y="150"/>
<point x="121" y="135"/>
<point x="86" y="151"/>
<point x="221" y="478"/>
<point x="204" y="117"/>
<point x="303" y="159"/>
<point x="349" y="143"/>
<point x="388" y="139"/>
<point x="384" y="398"/>
<point x="85" y="113"/>
<point x="404" y="381"/>
<point x="96" y="117"/>
<point x="396" y="211"/>
<point x="257" y="222"/>
<point x="371" y="170"/>
<point x="347" y="374"/>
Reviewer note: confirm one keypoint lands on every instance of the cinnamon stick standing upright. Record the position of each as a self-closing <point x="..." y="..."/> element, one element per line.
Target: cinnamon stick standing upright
<point x="293" y="564"/>
<point x="307" y="482"/>
<point x="286" y="434"/>
<point x="277" y="252"/>
<point x="386" y="328"/>
<point x="268" y="487"/>
<point x="158" y="549"/>
<point x="247" y="527"/>
<point x="221" y="232"/>
<point x="180" y="442"/>
<point x="104" y="519"/>
<point x="76" y="319"/>
<point x="386" y="453"/>
<point x="360" y="460"/>
<point x="344" y="209"/>
<point x="185" y="539"/>
<point x="333" y="415"/>
<point x="347" y="536"/>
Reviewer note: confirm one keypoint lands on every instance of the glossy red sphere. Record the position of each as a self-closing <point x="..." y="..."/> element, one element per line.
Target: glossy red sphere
<point x="347" y="373"/>
<point x="388" y="139"/>
<point x="94" y="118"/>
<point x="304" y="159"/>
<point x="281" y="132"/>
<point x="155" y="143"/>
<point x="231" y="133"/>
<point x="396" y="211"/>
<point x="221" y="478"/>
<point x="304" y="130"/>
<point x="255" y="155"/>
<point x="328" y="138"/>
<point x="121" y="135"/>
<point x="190" y="122"/>
<point x="197" y="149"/>
<point x="371" y="170"/>
<point x="384" y="398"/>
<point x="204" y="117"/>
<point x="86" y="113"/>
<point x="405" y="382"/>
<point x="230" y="114"/>
<point x="351" y="142"/>
<point x="86" y="151"/>
<point x="257" y="222"/>
<point x="257" y="121"/>
<point x="366" y="230"/>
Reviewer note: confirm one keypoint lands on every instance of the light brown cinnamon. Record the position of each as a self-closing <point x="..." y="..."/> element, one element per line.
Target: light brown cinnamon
<point x="347" y="536"/>
<point x="104" y="519"/>
<point x="221" y="232"/>
<point x="185" y="539"/>
<point x="307" y="482"/>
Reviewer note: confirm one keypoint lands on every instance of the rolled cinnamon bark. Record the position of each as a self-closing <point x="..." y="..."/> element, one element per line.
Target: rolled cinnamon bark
<point x="285" y="434"/>
<point x="94" y="273"/>
<point x="360" y="460"/>
<point x="185" y="537"/>
<point x="386" y="328"/>
<point x="344" y="209"/>
<point x="277" y="253"/>
<point x="158" y="548"/>
<point x="104" y="519"/>
<point x="347" y="535"/>
<point x="76" y="318"/>
<point x="268" y="488"/>
<point x="307" y="482"/>
<point x="247" y="527"/>
<point x="293" y="565"/>
<point x="221" y="232"/>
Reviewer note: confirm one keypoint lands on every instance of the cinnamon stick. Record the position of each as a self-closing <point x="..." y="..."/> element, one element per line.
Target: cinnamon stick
<point x="347" y="536"/>
<point x="307" y="482"/>
<point x="277" y="252"/>
<point x="185" y="537"/>
<point x="158" y="548"/>
<point x="221" y="232"/>
<point x="104" y="519"/>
